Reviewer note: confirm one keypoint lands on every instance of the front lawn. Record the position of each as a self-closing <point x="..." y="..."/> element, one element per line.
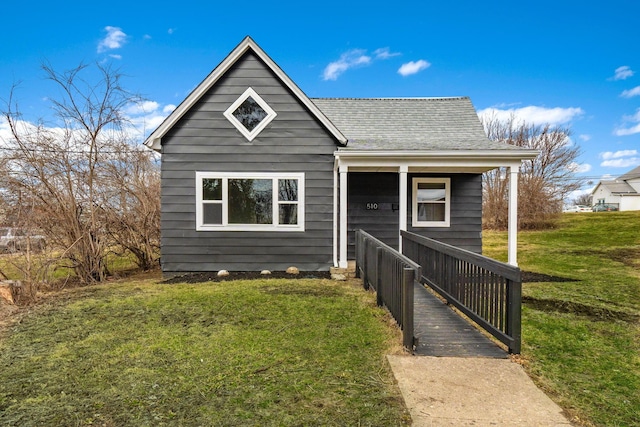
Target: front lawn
<point x="581" y="335"/>
<point x="251" y="353"/>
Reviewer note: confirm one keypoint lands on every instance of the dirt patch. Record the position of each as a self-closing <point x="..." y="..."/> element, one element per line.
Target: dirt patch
<point x="531" y="277"/>
<point x="245" y="275"/>
<point x="596" y="314"/>
<point x="629" y="257"/>
<point x="302" y="292"/>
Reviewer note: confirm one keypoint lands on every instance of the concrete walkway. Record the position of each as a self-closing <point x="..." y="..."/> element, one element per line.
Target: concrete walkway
<point x="461" y="391"/>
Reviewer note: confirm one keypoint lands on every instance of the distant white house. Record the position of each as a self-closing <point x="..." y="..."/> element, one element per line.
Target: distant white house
<point x="623" y="192"/>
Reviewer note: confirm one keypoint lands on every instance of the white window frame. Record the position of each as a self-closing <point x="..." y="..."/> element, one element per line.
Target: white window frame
<point x="225" y="226"/>
<point x="447" y="203"/>
<point x="250" y="135"/>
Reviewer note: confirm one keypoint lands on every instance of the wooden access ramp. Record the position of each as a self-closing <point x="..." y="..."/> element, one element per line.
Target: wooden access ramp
<point x="441" y="332"/>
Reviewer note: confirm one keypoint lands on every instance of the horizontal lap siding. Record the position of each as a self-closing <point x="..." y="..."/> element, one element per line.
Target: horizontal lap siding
<point x="204" y="140"/>
<point x="382" y="223"/>
<point x="465" y="230"/>
<point x="382" y="188"/>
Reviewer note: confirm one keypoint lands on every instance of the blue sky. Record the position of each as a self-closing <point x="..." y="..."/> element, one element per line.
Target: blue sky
<point x="576" y="64"/>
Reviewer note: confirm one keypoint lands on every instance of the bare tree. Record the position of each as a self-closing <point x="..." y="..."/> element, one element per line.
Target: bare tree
<point x="583" y="199"/>
<point x="61" y="169"/>
<point x="543" y="182"/>
<point x="130" y="203"/>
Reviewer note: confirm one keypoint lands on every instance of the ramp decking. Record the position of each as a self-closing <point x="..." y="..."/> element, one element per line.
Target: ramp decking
<point x="442" y="332"/>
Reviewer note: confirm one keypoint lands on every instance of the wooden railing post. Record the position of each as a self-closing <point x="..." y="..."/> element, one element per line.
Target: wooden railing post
<point x="379" y="299"/>
<point x="407" y="308"/>
<point x="514" y="314"/>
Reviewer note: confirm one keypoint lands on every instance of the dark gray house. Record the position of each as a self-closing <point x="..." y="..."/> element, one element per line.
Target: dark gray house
<point x="256" y="175"/>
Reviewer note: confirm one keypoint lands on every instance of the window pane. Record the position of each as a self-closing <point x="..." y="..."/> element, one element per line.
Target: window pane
<point x="431" y="211"/>
<point x="288" y="214"/>
<point x="431" y="191"/>
<point x="212" y="189"/>
<point x="250" y="201"/>
<point x="212" y="213"/>
<point x="250" y="114"/>
<point x="288" y="190"/>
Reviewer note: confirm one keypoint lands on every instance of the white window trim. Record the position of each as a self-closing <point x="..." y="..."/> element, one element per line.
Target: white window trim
<point x="250" y="135"/>
<point x="447" y="203"/>
<point x="225" y="226"/>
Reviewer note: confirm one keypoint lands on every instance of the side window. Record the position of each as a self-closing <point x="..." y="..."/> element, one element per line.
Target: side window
<point x="243" y="202"/>
<point x="431" y="202"/>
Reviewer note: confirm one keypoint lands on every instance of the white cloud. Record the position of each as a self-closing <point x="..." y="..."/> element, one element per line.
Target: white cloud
<point x="534" y="115"/>
<point x="631" y="92"/>
<point x="622" y="73"/>
<point x="114" y="39"/>
<point x="142" y="118"/>
<point x="350" y="59"/>
<point x="385" y="53"/>
<point x="141" y="108"/>
<point x="355" y="58"/>
<point x="413" y="67"/>
<point x="116" y="56"/>
<point x="621" y="163"/>
<point x="620" y="158"/>
<point x="584" y="137"/>
<point x="618" y="154"/>
<point x="634" y="127"/>
<point x="171" y="30"/>
<point x="579" y="168"/>
<point x="146" y="116"/>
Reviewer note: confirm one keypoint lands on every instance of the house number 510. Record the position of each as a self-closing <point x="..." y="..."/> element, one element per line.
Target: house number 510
<point x="372" y="206"/>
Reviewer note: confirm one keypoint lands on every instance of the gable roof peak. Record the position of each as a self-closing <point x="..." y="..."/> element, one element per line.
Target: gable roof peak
<point x="154" y="140"/>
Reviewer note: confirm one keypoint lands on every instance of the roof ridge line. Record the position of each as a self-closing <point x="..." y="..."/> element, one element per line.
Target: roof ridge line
<point x="407" y="98"/>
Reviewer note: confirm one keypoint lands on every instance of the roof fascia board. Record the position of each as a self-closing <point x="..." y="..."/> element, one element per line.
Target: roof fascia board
<point x="470" y="155"/>
<point x="154" y="140"/>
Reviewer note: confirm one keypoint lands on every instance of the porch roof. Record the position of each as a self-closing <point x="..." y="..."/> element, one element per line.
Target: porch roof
<point x="409" y="124"/>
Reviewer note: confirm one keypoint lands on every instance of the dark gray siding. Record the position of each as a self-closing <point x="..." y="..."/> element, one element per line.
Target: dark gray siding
<point x="383" y="188"/>
<point x="465" y="229"/>
<point x="381" y="217"/>
<point x="203" y="140"/>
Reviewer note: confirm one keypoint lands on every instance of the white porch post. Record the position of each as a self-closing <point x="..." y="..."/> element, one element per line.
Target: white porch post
<point x="513" y="216"/>
<point x="335" y="215"/>
<point x="403" y="203"/>
<point x="343" y="216"/>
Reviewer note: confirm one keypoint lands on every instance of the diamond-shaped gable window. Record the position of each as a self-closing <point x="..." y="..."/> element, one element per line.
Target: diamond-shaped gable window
<point x="250" y="114"/>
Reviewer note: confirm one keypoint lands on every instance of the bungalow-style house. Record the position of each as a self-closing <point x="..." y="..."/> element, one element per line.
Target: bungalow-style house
<point x="256" y="175"/>
<point x="622" y="193"/>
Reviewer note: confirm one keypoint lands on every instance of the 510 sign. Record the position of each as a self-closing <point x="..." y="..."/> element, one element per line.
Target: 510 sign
<point x="372" y="206"/>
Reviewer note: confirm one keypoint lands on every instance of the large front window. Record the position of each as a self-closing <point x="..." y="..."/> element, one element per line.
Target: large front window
<point x="431" y="203"/>
<point x="238" y="202"/>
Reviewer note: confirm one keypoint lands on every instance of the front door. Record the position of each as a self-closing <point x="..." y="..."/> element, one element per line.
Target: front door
<point x="373" y="206"/>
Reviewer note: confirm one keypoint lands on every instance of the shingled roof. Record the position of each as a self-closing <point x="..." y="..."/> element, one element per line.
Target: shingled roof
<point x="618" y="187"/>
<point x="400" y="124"/>
<point x="632" y="174"/>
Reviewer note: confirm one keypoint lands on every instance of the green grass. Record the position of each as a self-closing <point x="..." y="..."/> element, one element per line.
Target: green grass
<point x="581" y="338"/>
<point x="263" y="352"/>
